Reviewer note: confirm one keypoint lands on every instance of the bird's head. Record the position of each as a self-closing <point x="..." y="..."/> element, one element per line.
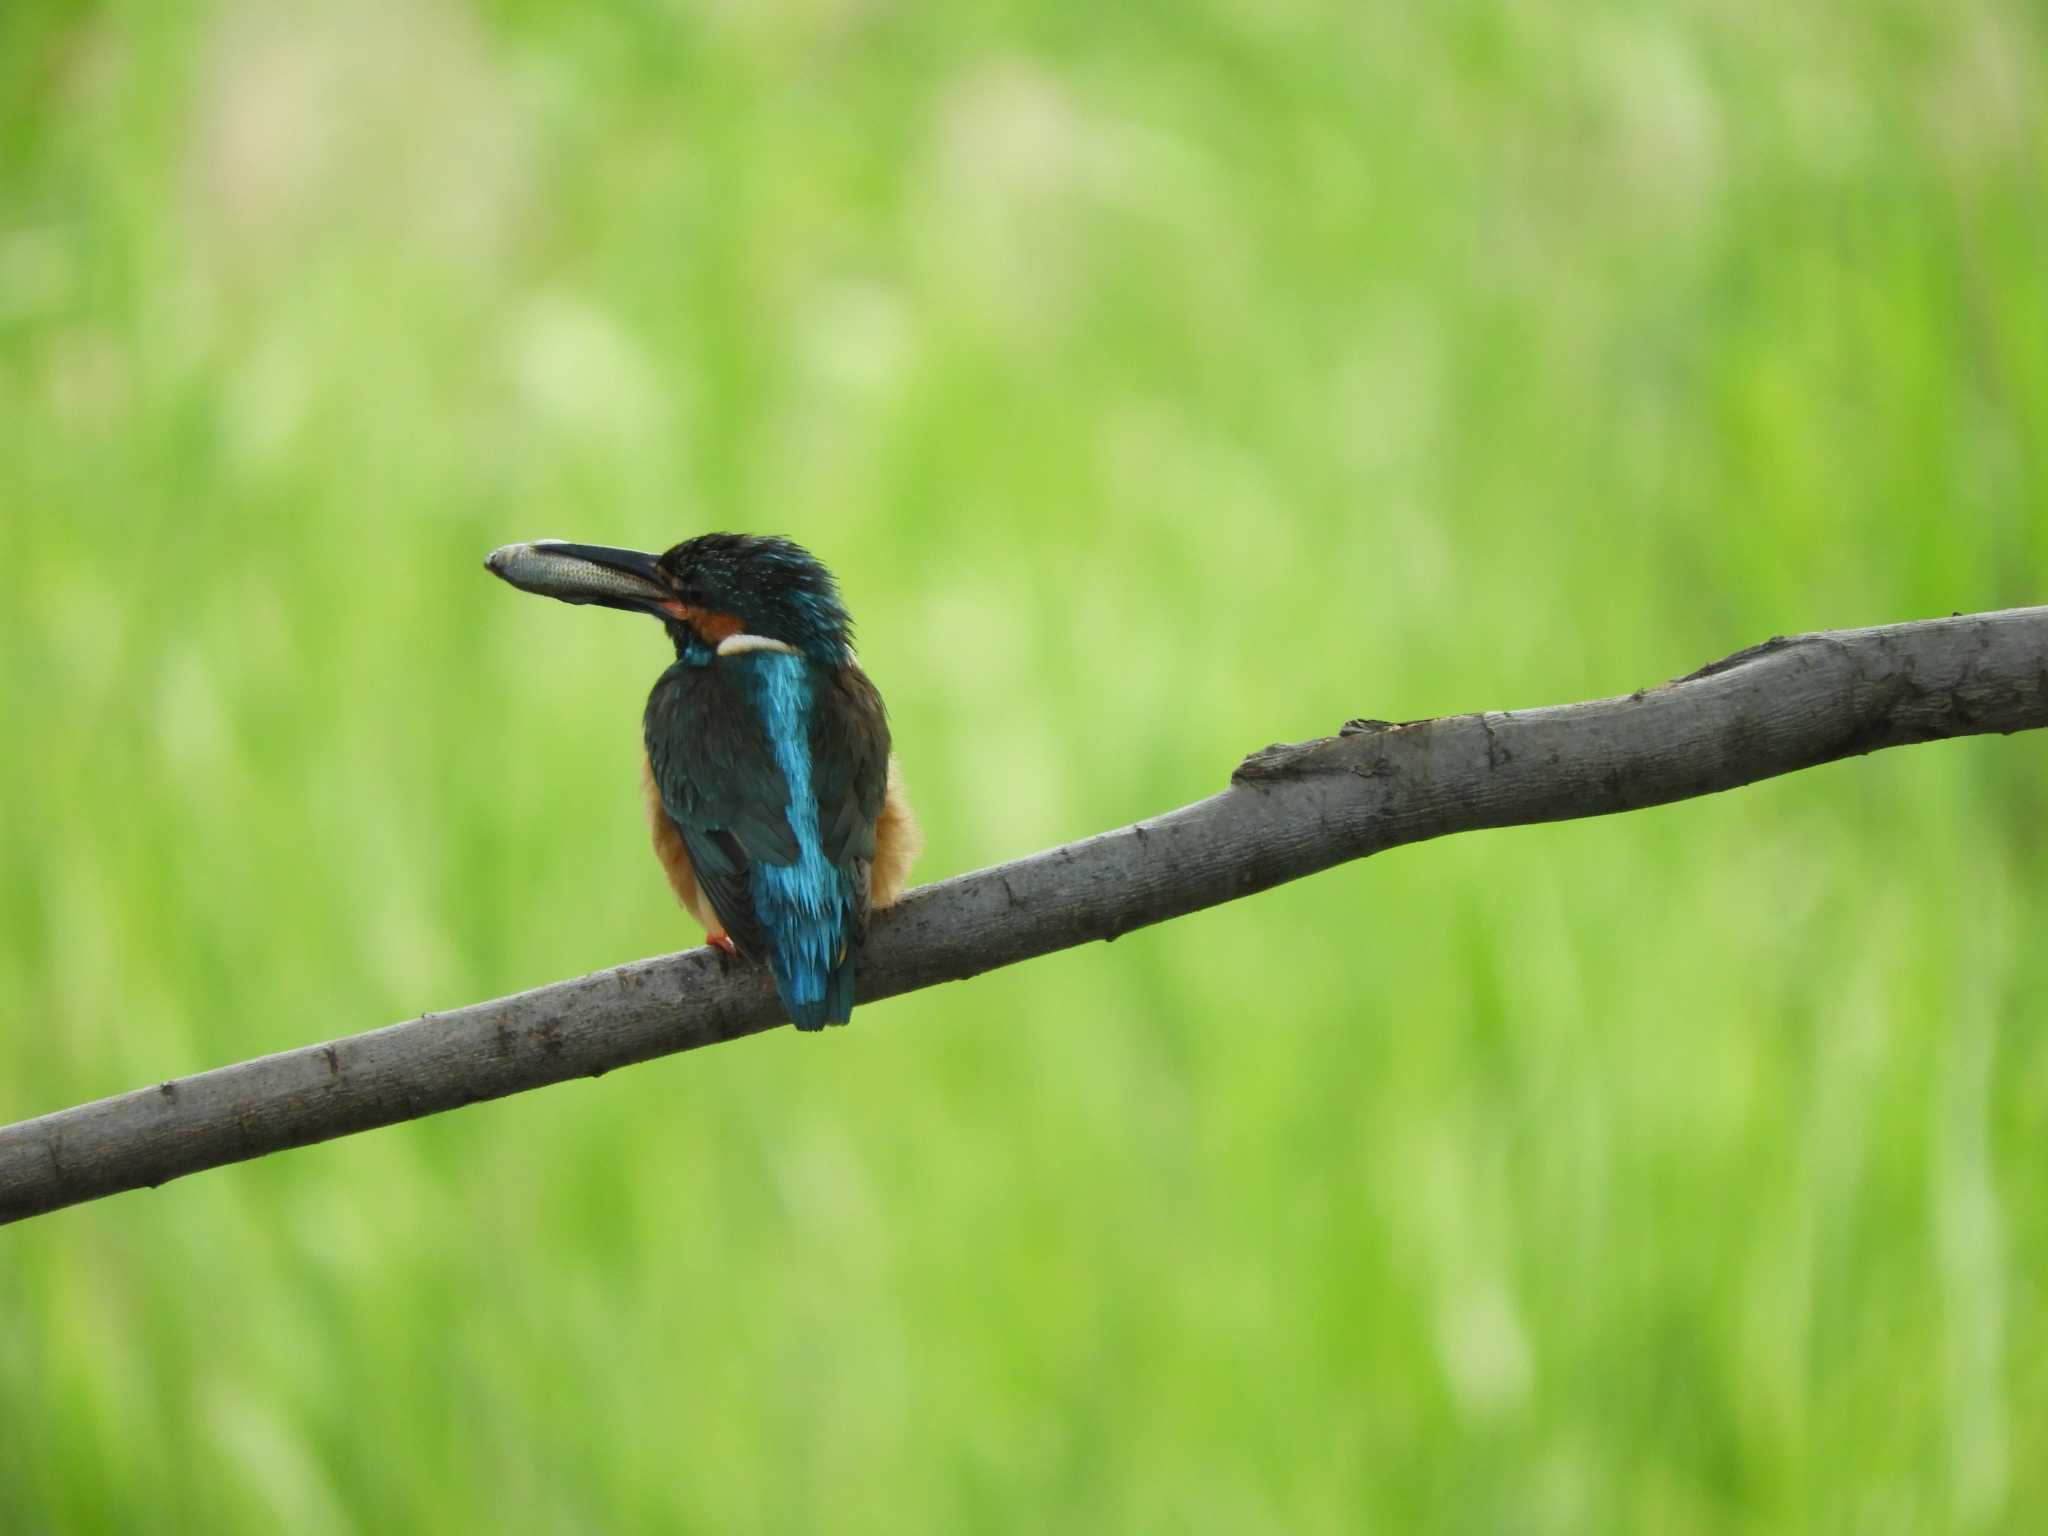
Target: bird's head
<point x="730" y="589"/>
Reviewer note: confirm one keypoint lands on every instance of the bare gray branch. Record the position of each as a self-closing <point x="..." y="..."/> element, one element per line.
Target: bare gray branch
<point x="1289" y="811"/>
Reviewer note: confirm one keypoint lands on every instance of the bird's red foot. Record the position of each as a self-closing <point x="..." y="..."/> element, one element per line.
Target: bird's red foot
<point x="723" y="942"/>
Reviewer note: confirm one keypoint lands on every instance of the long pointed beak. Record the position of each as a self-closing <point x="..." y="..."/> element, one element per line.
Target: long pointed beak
<point x="584" y="573"/>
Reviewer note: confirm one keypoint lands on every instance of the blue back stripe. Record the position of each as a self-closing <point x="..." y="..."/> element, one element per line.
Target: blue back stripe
<point x="802" y="905"/>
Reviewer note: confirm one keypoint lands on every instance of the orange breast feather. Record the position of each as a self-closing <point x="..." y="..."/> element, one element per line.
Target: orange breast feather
<point x="898" y="841"/>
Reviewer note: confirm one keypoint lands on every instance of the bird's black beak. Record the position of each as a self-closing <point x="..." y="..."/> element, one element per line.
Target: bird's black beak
<point x="584" y="573"/>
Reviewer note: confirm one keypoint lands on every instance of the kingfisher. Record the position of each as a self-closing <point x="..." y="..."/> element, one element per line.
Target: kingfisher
<point x="776" y="807"/>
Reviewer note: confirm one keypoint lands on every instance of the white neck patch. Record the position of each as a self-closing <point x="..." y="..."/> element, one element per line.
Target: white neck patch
<point x="739" y="645"/>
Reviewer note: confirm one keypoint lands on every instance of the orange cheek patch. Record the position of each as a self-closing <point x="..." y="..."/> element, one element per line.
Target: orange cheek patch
<point x="714" y="627"/>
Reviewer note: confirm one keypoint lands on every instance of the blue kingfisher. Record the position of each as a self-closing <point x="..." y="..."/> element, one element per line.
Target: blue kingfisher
<point x="776" y="806"/>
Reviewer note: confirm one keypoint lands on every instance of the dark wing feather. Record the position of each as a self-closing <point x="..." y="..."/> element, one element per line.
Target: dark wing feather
<point x="850" y="772"/>
<point x="722" y="787"/>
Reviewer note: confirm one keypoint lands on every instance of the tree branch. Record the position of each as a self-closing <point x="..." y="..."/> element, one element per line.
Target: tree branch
<point x="1289" y="811"/>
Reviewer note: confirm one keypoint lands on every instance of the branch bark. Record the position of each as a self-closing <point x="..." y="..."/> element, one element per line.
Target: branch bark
<point x="1290" y="811"/>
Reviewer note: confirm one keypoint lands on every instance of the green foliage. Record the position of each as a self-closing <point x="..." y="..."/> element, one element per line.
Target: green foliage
<point x="1161" y="381"/>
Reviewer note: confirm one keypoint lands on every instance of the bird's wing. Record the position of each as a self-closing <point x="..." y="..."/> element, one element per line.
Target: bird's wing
<point x="715" y="769"/>
<point x="850" y="772"/>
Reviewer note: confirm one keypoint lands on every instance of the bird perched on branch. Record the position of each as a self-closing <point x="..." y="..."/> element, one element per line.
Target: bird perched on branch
<point x="776" y="806"/>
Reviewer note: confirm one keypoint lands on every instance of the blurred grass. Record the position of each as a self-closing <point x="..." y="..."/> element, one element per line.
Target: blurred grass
<point x="1161" y="381"/>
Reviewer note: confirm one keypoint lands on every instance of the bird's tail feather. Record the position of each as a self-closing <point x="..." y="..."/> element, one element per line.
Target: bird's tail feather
<point x="839" y="992"/>
<point x="834" y="1006"/>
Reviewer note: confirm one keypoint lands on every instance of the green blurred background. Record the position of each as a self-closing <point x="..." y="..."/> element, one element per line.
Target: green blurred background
<point x="1162" y="381"/>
